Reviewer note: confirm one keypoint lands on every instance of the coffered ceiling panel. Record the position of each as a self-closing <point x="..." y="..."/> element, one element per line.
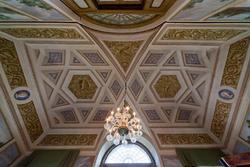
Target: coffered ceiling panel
<point x="178" y="83"/>
<point x="184" y="80"/>
<point x="73" y="91"/>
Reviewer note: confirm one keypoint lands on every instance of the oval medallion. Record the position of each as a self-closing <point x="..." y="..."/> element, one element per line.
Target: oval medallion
<point x="22" y="95"/>
<point x="226" y="94"/>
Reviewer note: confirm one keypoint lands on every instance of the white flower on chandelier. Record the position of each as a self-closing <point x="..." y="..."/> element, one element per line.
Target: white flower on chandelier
<point x="123" y="125"/>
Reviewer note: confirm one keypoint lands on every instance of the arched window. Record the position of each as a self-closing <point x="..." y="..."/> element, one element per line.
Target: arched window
<point x="128" y="155"/>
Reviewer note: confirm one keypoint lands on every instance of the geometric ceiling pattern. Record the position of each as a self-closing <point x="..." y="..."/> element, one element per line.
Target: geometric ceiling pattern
<point x="186" y="81"/>
<point x="71" y="81"/>
<point x="178" y="83"/>
<point x="170" y="86"/>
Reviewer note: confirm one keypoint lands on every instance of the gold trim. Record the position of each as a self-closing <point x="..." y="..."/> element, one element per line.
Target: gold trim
<point x="234" y="64"/>
<point x="220" y="118"/>
<point x="124" y="51"/>
<point x="31" y="120"/>
<point x="43" y="33"/>
<point x="170" y="139"/>
<point x="11" y="64"/>
<point x="69" y="140"/>
<point x="201" y="34"/>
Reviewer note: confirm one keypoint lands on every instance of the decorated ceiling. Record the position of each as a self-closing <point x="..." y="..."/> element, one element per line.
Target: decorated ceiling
<point x="188" y="82"/>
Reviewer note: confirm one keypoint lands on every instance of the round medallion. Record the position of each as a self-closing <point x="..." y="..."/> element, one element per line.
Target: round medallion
<point x="226" y="94"/>
<point x="22" y="95"/>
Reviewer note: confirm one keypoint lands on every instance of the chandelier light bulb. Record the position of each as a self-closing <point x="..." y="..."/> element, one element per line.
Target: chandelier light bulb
<point x="116" y="142"/>
<point x="109" y="137"/>
<point x="124" y="141"/>
<point x="106" y="126"/>
<point x="133" y="140"/>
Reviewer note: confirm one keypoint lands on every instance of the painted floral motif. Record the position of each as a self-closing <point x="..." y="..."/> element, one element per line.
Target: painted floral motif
<point x="234" y="64"/>
<point x="167" y="86"/>
<point x="201" y="34"/>
<point x="124" y="51"/>
<point x="170" y="139"/>
<point x="11" y="64"/>
<point x="51" y="33"/>
<point x="82" y="86"/>
<point x="69" y="140"/>
<point x="31" y="120"/>
<point x="221" y="114"/>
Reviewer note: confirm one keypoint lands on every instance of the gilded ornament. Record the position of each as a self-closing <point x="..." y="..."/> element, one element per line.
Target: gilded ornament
<point x="11" y="64"/>
<point x="220" y="118"/>
<point x="31" y="120"/>
<point x="167" y="86"/>
<point x="201" y="34"/>
<point x="51" y="33"/>
<point x="234" y="64"/>
<point x="69" y="140"/>
<point x="124" y="51"/>
<point x="82" y="86"/>
<point x="169" y="139"/>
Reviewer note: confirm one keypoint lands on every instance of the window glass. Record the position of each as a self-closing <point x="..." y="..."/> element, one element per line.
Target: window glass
<point x="5" y="135"/>
<point x="130" y="153"/>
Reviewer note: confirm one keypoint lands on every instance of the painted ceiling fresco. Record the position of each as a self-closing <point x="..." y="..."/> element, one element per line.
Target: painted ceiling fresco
<point x="120" y="13"/>
<point x="188" y="82"/>
<point x="131" y="14"/>
<point x="29" y="10"/>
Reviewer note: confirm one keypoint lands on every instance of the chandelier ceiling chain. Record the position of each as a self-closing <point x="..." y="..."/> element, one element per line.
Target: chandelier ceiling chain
<point x="123" y="125"/>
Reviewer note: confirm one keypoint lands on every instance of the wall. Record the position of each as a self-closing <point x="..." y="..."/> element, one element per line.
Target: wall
<point x="85" y="161"/>
<point x="12" y="148"/>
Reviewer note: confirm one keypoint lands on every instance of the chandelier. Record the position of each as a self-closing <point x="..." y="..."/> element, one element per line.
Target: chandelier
<point x="123" y="125"/>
